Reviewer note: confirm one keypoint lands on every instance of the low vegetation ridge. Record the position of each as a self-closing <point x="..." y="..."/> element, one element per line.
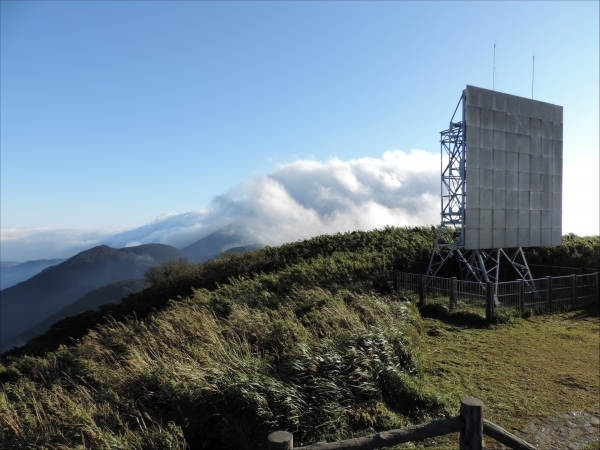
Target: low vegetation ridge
<point x="306" y="337"/>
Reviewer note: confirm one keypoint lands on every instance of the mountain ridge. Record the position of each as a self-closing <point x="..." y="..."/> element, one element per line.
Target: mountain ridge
<point x="30" y="302"/>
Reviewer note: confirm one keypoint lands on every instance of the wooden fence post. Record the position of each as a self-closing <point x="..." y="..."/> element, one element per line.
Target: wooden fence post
<point x="549" y="293"/>
<point x="453" y="295"/>
<point x="471" y="414"/>
<point x="522" y="296"/>
<point x="489" y="301"/>
<point x="575" y="301"/>
<point x="422" y="291"/>
<point x="281" y="440"/>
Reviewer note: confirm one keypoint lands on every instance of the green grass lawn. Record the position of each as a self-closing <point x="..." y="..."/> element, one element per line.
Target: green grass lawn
<point x="536" y="367"/>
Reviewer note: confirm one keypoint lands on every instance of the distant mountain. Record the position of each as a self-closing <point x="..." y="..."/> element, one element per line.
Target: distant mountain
<point x="111" y="293"/>
<point x="12" y="274"/>
<point x="211" y="246"/>
<point x="4" y="264"/>
<point x="30" y="302"/>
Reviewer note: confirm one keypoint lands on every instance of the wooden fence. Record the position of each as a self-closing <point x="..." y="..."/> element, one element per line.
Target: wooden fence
<point x="470" y="424"/>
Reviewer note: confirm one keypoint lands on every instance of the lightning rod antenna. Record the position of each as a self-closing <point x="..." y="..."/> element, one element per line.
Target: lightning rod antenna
<point x="494" y="73"/>
<point x="532" y="75"/>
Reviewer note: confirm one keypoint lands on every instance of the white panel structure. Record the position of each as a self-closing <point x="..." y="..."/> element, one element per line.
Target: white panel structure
<point x="513" y="175"/>
<point x="501" y="183"/>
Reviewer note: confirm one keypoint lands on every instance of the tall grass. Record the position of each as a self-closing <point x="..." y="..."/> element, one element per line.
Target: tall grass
<point x="318" y="347"/>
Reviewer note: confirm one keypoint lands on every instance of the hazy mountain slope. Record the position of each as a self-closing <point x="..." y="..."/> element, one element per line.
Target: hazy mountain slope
<point x="29" y="302"/>
<point x="13" y="274"/>
<point x="4" y="264"/>
<point x="212" y="245"/>
<point x="111" y="293"/>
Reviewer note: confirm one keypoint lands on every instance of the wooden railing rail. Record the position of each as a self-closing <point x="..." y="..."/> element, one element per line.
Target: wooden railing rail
<point x="470" y="424"/>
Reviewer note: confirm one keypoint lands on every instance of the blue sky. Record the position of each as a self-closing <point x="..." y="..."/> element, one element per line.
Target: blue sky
<point x="113" y="113"/>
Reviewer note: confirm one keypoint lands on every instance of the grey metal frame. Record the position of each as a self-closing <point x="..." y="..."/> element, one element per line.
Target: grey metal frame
<point x="476" y="264"/>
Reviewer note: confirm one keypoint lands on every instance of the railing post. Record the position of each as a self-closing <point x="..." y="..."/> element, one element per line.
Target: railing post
<point x="471" y="414"/>
<point x="281" y="440"/>
<point x="422" y="292"/>
<point x="575" y="299"/>
<point x="549" y="293"/>
<point x="547" y="271"/>
<point x="522" y="296"/>
<point x="489" y="301"/>
<point x="395" y="280"/>
<point x="597" y="289"/>
<point x="453" y="296"/>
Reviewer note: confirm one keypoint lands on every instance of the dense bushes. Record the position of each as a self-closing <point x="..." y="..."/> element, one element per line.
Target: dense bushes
<point x="305" y="337"/>
<point x="298" y="340"/>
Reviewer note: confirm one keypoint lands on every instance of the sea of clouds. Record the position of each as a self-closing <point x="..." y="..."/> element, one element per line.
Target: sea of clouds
<point x="307" y="198"/>
<point x="296" y="200"/>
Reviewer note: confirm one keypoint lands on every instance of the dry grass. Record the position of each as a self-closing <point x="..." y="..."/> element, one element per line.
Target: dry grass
<point x="538" y="367"/>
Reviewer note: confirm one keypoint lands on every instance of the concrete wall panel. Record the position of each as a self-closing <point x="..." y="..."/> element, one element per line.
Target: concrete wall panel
<point x="512" y="161"/>
<point x="524" y="127"/>
<point x="499" y="199"/>
<point x="512" y="200"/>
<point x="513" y="170"/>
<point x="524" y="144"/>
<point x="535" y="182"/>
<point x="536" y="146"/>
<point x="557" y="149"/>
<point x="499" y="140"/>
<point x="499" y="121"/>
<point x="473" y="136"/>
<point x="487" y="119"/>
<point x="486" y="138"/>
<point x="512" y="105"/>
<point x="486" y="197"/>
<point x="546" y="129"/>
<point x="524" y="199"/>
<point x="486" y="178"/>
<point x="535" y="165"/>
<point x="546" y="165"/>
<point x="498" y="237"/>
<point x="512" y="123"/>
<point x="558" y="113"/>
<point x="499" y="180"/>
<point x="547" y="112"/>
<point x="512" y="218"/>
<point x="535" y="200"/>
<point x="523" y="237"/>
<point x="557" y="131"/>
<point x="485" y="238"/>
<point x="499" y="101"/>
<point x="473" y="116"/>
<point x="512" y="239"/>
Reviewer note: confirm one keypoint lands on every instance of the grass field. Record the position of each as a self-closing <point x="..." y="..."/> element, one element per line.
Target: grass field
<point x="536" y="367"/>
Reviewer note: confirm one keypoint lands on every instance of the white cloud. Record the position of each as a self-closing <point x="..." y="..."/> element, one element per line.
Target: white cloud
<point x="306" y="198"/>
<point x="296" y="200"/>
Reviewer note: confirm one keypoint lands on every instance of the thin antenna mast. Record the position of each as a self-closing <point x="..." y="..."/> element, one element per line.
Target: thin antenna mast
<point x="494" y="74"/>
<point x="532" y="75"/>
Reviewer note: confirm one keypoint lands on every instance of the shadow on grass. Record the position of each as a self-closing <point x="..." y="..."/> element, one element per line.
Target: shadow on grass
<point x="588" y="310"/>
<point x="458" y="318"/>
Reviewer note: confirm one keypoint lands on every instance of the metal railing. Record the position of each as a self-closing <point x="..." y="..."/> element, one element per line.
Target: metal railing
<point x="540" y="295"/>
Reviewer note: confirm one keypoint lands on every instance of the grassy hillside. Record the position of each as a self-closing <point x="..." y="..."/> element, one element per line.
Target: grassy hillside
<point x="111" y="293"/>
<point x="306" y="337"/>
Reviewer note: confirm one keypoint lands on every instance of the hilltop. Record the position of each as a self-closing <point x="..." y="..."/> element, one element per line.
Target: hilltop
<point x="307" y="337"/>
<point x="32" y="301"/>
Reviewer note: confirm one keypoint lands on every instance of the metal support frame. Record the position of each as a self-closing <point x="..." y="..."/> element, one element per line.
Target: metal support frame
<point x="477" y="265"/>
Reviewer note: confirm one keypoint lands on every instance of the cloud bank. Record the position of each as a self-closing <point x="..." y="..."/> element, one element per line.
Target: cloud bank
<point x="297" y="200"/>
